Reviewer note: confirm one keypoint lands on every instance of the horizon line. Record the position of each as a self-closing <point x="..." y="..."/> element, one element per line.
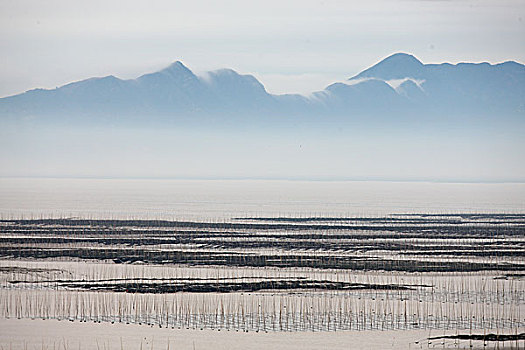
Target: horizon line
<point x="277" y="178"/>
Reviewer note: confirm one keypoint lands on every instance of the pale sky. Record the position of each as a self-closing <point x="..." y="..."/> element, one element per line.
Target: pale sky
<point x="290" y="46"/>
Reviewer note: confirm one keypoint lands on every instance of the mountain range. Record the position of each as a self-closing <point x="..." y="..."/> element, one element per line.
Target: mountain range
<point x="399" y="85"/>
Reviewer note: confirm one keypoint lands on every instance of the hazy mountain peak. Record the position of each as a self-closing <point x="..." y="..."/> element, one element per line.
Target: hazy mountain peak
<point x="397" y="66"/>
<point x="177" y="64"/>
<point x="402" y="57"/>
<point x="224" y="71"/>
<point x="231" y="79"/>
<point x="177" y="67"/>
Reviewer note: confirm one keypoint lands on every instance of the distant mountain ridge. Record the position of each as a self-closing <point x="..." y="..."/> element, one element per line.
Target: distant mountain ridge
<point x="398" y="85"/>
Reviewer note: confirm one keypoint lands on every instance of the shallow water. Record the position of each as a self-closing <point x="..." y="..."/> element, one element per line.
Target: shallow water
<point x="224" y="199"/>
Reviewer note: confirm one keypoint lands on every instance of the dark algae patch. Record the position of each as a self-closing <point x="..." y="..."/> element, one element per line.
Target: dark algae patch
<point x="174" y="286"/>
<point x="483" y="337"/>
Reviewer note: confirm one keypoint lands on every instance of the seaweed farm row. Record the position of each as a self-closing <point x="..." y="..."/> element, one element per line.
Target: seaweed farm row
<point x="148" y="294"/>
<point x="415" y="243"/>
<point x="450" y="272"/>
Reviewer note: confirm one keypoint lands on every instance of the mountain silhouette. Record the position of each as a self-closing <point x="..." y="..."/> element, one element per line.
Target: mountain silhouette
<point x="399" y="85"/>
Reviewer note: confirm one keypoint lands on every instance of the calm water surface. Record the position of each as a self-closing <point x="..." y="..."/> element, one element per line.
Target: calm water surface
<point x="223" y="199"/>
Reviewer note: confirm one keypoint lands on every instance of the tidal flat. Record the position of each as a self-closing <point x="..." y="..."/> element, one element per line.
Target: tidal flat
<point x="409" y="279"/>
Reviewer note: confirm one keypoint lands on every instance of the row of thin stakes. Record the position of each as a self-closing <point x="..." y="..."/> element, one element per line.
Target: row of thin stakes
<point x="260" y="312"/>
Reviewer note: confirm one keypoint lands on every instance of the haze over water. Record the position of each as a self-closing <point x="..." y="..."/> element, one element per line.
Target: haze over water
<point x="225" y="199"/>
